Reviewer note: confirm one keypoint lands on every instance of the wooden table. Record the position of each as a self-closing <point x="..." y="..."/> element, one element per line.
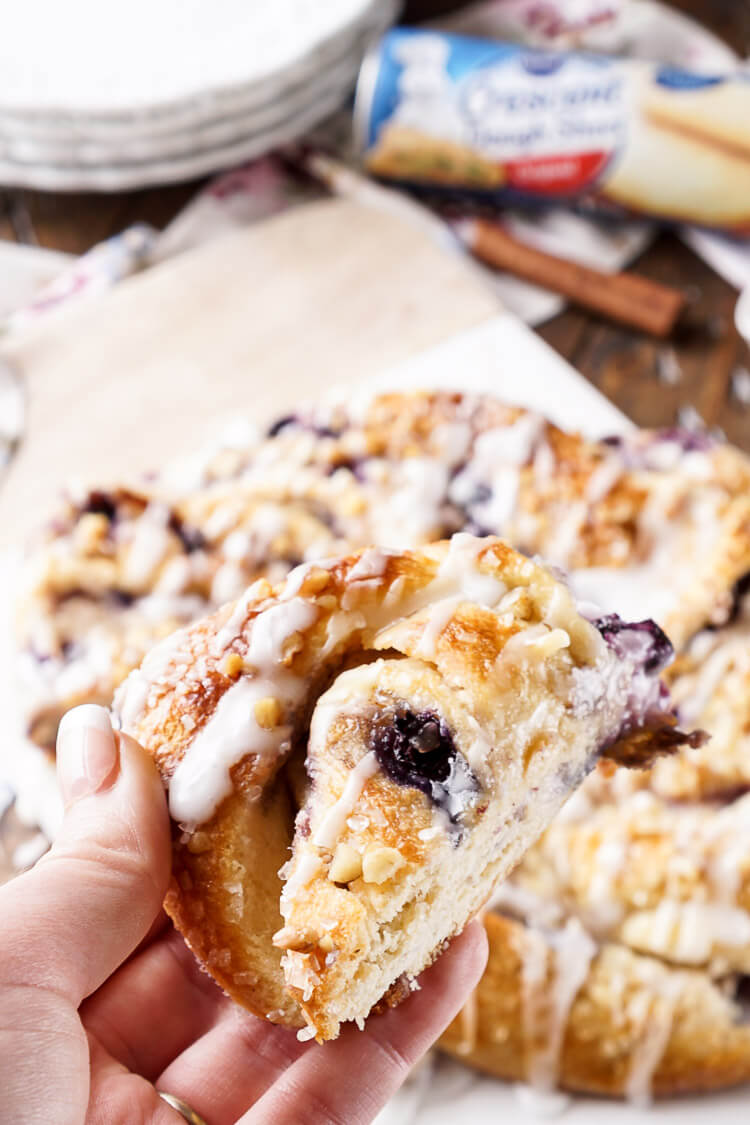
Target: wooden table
<point x="627" y="367"/>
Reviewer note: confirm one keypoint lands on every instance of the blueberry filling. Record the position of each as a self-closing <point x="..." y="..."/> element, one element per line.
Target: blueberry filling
<point x="355" y="465"/>
<point x="190" y="537"/>
<point x="692" y="441"/>
<point x="740" y="591"/>
<point x="418" y="751"/>
<point x="294" y="420"/>
<point x="100" y="504"/>
<point x="281" y="424"/>
<point x="482" y="493"/>
<point x="635" y="454"/>
<point x="742" y="999"/>
<point x="643" y="640"/>
<point x="122" y="598"/>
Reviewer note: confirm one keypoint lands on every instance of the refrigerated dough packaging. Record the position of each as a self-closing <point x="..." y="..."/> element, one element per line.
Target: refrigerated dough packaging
<point x="513" y="124"/>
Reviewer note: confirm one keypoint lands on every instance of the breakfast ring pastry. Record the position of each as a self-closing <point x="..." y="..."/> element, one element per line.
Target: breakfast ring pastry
<point x="432" y="709"/>
<point x="650" y="525"/>
<point x="554" y="1009"/>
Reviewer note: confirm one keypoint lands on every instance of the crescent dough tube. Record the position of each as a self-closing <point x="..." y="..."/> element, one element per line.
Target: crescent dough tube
<point x="668" y="172"/>
<point x="448" y="113"/>
<point x="719" y="114"/>
<point x="444" y="701"/>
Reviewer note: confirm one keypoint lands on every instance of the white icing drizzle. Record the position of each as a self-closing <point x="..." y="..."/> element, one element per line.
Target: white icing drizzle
<point x="730" y="856"/>
<point x="649" y="585"/>
<point x="520" y="902"/>
<point x="459" y="569"/>
<point x="635" y="592"/>
<point x="497" y="458"/>
<point x="202" y="778"/>
<point x="440" y="614"/>
<point x="273" y="627"/>
<point x="656" y="1028"/>
<point x="370" y="564"/>
<point x="306" y="870"/>
<point x="688" y="932"/>
<point x="603" y="479"/>
<point x="544" y="1013"/>
<point x="603" y="911"/>
<point x="174" y="577"/>
<point x="452" y="440"/>
<point x="694" y="695"/>
<point x="233" y="625"/>
<point x="229" y="582"/>
<point x="132" y="696"/>
<point x="149" y="546"/>
<point x="563" y="540"/>
<point x="407" y="509"/>
<point x="334" y="820"/>
<point x="534" y="967"/>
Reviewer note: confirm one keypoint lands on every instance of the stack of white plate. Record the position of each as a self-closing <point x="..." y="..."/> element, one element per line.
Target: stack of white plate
<point x="126" y="93"/>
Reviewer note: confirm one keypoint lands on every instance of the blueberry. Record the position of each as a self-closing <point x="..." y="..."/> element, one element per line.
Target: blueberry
<point x="417" y="750"/>
<point x="122" y="598"/>
<point x="740" y="591"/>
<point x="190" y="537"/>
<point x="100" y="504"/>
<point x="281" y="424"/>
<point x="294" y="420"/>
<point x="641" y="639"/>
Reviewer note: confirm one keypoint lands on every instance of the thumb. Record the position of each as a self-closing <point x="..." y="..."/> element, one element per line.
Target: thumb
<point x="70" y="921"/>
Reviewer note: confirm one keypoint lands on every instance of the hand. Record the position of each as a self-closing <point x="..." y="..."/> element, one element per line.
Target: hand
<point x="101" y="1003"/>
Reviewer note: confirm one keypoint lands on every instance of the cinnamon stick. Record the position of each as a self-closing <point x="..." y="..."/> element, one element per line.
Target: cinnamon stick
<point x="624" y="297"/>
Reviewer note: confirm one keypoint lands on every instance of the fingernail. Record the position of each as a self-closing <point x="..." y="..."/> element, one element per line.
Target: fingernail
<point x="87" y="757"/>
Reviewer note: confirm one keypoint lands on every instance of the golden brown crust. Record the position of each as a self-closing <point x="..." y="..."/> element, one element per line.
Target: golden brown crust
<point x="224" y="900"/>
<point x="705" y="1048"/>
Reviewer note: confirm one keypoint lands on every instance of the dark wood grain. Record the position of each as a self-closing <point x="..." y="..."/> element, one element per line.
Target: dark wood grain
<point x="633" y="370"/>
<point x="626" y="366"/>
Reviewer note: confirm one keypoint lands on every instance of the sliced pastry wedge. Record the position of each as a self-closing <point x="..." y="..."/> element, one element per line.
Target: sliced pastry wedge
<point x="356" y="758"/>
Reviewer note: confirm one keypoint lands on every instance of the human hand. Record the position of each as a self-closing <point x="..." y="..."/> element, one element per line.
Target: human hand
<point x="102" y="1004"/>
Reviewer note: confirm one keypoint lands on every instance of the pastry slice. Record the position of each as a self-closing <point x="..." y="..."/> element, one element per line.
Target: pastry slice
<point x="442" y="702"/>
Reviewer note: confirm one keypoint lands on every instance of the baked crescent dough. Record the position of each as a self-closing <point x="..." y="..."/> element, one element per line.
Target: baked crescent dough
<point x="653" y="524"/>
<point x="710" y="685"/>
<point x="445" y="702"/>
<point x="119" y="569"/>
<point x="666" y="879"/>
<point x="552" y="1009"/>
